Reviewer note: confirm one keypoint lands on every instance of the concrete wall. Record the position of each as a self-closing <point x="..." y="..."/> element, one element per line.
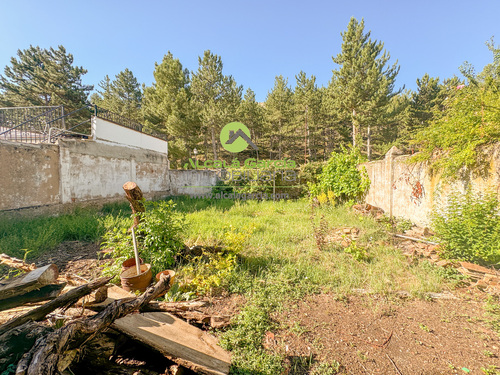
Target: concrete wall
<point x="29" y="175"/>
<point x="108" y="131"/>
<point x="411" y="191"/>
<point x="83" y="171"/>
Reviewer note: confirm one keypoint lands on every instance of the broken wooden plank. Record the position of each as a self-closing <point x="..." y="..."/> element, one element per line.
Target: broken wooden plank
<point x="45" y="293"/>
<point x="30" y="281"/>
<point x="177" y="340"/>
<point x="64" y="300"/>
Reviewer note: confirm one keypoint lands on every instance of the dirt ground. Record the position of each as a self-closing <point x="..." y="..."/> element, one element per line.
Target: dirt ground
<point x="75" y="258"/>
<point x="373" y="335"/>
<point x="364" y="334"/>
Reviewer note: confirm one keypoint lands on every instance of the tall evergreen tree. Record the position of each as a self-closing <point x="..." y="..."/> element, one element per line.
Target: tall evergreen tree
<point x="167" y="107"/>
<point x="307" y="108"/>
<point x="122" y="95"/>
<point x="217" y="97"/>
<point x="279" y="120"/>
<point x="251" y="114"/>
<point x="364" y="83"/>
<point x="40" y="77"/>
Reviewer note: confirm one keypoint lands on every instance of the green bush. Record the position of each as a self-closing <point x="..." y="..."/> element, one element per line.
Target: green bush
<point x="158" y="237"/>
<point x="469" y="226"/>
<point x="342" y="177"/>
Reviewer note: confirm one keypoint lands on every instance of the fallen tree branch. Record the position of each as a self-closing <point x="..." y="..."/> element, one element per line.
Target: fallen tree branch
<point x="44" y="357"/>
<point x="66" y="299"/>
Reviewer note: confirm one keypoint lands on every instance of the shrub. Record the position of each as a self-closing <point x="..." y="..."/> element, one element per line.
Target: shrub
<point x="158" y="237"/>
<point x="341" y="178"/>
<point x="469" y="226"/>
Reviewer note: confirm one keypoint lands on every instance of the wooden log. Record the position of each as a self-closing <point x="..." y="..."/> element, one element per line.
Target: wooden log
<point x="17" y="341"/>
<point x="43" y="358"/>
<point x="43" y="294"/>
<point x="16" y="263"/>
<point x="66" y="299"/>
<point x="135" y="198"/>
<point x="30" y="281"/>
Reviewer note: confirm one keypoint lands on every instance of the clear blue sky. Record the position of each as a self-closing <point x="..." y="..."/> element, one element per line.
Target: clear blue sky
<point x="257" y="40"/>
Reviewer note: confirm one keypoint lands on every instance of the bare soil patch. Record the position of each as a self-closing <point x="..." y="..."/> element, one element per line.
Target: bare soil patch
<point x="75" y="258"/>
<point x="373" y="335"/>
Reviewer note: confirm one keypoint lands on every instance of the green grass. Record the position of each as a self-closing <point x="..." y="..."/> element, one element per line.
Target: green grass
<point x="30" y="237"/>
<point x="280" y="262"/>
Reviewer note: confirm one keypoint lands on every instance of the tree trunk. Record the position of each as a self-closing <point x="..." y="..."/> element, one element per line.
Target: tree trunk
<point x="214" y="146"/>
<point x="354" y="126"/>
<point x="368" y="143"/>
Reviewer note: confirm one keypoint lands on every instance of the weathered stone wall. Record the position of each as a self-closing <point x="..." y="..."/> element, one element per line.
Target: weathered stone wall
<point x="411" y="191"/>
<point x="83" y="171"/>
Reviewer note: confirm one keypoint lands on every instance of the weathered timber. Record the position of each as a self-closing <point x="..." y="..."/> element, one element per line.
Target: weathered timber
<point x="135" y="198"/>
<point x="15" y="342"/>
<point x="178" y="341"/>
<point x="214" y="321"/>
<point x="44" y="356"/>
<point x="43" y="294"/>
<point x="16" y="263"/>
<point x="64" y="300"/>
<point x="30" y="281"/>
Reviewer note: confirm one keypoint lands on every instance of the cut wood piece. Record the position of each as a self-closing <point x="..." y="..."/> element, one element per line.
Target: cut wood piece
<point x="30" y="281"/>
<point x="43" y="294"/>
<point x="135" y="197"/>
<point x="66" y="299"/>
<point x="177" y="340"/>
<point x="16" y="263"/>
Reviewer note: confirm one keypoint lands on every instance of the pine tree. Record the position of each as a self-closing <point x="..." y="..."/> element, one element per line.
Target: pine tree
<point x="167" y="107"/>
<point x="122" y="95"/>
<point x="363" y="84"/>
<point x="217" y="97"/>
<point x="40" y="77"/>
<point x="251" y="114"/>
<point x="279" y="120"/>
<point x="307" y="108"/>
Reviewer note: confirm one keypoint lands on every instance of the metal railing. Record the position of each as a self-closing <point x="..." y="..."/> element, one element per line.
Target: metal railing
<point x="126" y="122"/>
<point x="47" y="125"/>
<point x="32" y="129"/>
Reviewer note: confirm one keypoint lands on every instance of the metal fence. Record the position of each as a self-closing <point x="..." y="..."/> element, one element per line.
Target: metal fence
<point x="126" y="122"/>
<point x="28" y="124"/>
<point x="47" y="124"/>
